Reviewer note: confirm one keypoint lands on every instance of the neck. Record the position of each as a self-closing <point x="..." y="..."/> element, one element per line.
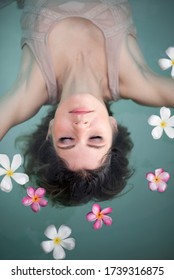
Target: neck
<point x="82" y="76"/>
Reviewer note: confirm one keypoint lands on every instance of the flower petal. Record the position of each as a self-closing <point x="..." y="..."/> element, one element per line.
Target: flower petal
<point x="162" y="186"/>
<point x="165" y="113"/>
<point x="170" y="52"/>
<point x="6" y="184"/>
<point x="40" y="192"/>
<point x="51" y="232"/>
<point x="106" y="210"/>
<point x="35" y="207"/>
<point x="150" y="176"/>
<point x="31" y="191"/>
<point x="107" y="220"/>
<point x="96" y="208"/>
<point x="164" y="63"/>
<point x="43" y="202"/>
<point x="59" y="253"/>
<point x="91" y="217"/>
<point x="157" y="132"/>
<point x="158" y="171"/>
<point x="47" y="246"/>
<point x="169" y="131"/>
<point x="64" y="232"/>
<point x="20" y="178"/>
<point x="16" y="162"/>
<point x="98" y="224"/>
<point x="164" y="176"/>
<point x="154" y="120"/>
<point x="2" y="171"/>
<point x="153" y="186"/>
<point x="68" y="243"/>
<point x="27" y="201"/>
<point x="4" y="161"/>
<point x="170" y="121"/>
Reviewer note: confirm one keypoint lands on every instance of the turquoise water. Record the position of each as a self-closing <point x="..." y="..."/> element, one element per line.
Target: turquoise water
<point x="143" y="223"/>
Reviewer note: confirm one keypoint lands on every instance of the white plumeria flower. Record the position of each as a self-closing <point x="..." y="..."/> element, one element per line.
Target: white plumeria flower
<point x="166" y="63"/>
<point x="166" y="123"/>
<point x="9" y="172"/>
<point x="58" y="241"/>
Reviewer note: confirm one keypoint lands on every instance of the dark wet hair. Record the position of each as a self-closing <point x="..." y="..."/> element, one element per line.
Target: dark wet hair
<point x="66" y="187"/>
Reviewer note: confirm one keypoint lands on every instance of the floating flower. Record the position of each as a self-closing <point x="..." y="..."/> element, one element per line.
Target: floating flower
<point x="99" y="216"/>
<point x="166" y="123"/>
<point x="166" y="63"/>
<point x="158" y="180"/>
<point x="58" y="241"/>
<point x="35" y="198"/>
<point x="9" y="172"/>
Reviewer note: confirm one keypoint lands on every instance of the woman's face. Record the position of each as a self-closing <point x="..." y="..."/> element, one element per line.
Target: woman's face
<point x="82" y="131"/>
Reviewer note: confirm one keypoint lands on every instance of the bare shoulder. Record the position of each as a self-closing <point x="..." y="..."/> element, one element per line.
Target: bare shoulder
<point x="30" y="77"/>
<point x="138" y="82"/>
<point x="27" y="95"/>
<point x="135" y="76"/>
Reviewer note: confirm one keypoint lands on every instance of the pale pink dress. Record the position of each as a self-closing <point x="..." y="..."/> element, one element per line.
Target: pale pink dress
<point x="39" y="17"/>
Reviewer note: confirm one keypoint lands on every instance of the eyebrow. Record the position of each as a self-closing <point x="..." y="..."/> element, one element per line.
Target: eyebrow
<point x="72" y="146"/>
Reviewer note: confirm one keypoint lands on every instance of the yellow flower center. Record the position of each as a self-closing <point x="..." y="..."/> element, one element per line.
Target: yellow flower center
<point x="57" y="240"/>
<point x="163" y="124"/>
<point x="172" y="62"/>
<point x="157" y="180"/>
<point x="9" y="173"/>
<point x="35" y="198"/>
<point x="99" y="215"/>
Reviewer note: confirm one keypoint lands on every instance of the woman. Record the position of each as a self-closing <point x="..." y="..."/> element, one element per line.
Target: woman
<point x="79" y="55"/>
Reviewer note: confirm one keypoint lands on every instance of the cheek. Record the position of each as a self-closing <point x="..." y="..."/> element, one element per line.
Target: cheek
<point x="108" y="132"/>
<point x="61" y="126"/>
<point x="104" y="125"/>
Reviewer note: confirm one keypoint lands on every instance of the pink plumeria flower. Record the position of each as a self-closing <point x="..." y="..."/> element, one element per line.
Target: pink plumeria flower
<point x="35" y="198"/>
<point x="158" y="180"/>
<point x="166" y="63"/>
<point x="99" y="216"/>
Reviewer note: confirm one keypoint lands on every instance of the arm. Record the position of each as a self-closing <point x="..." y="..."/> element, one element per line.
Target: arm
<point x="25" y="97"/>
<point x="138" y="82"/>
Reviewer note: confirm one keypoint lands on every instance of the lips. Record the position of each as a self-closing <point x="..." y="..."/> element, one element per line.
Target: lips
<point x="81" y="111"/>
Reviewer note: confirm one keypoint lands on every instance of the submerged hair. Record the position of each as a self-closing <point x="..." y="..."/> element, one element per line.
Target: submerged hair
<point x="66" y="187"/>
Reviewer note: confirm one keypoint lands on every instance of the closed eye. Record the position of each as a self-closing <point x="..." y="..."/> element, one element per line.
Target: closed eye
<point x="69" y="147"/>
<point x="67" y="143"/>
<point x="65" y="140"/>
<point x="62" y="139"/>
<point x="96" y="139"/>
